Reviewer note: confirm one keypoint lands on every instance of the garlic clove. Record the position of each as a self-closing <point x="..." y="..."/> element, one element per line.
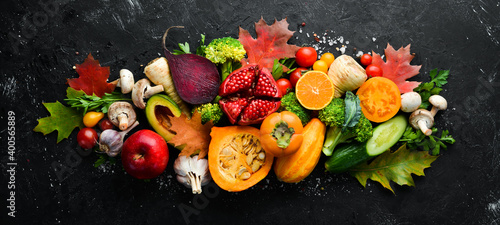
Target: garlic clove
<point x="192" y="172"/>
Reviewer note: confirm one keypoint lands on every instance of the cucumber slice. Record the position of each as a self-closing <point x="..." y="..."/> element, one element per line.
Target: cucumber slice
<point x="386" y="135"/>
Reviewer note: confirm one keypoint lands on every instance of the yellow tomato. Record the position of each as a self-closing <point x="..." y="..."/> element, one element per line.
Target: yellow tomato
<point x="328" y="58"/>
<point x="92" y="118"/>
<point x="320" y="65"/>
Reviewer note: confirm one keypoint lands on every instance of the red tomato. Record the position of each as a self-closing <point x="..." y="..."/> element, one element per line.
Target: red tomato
<point x="87" y="138"/>
<point x="374" y="71"/>
<point x="284" y="85"/>
<point x="366" y="59"/>
<point x="105" y="124"/>
<point x="295" y="75"/>
<point x="306" y="56"/>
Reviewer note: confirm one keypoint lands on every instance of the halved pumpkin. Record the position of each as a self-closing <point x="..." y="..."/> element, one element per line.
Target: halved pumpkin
<point x="236" y="158"/>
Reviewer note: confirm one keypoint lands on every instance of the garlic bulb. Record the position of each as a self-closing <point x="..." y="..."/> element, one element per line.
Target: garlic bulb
<point x="111" y="141"/>
<point x="192" y="172"/>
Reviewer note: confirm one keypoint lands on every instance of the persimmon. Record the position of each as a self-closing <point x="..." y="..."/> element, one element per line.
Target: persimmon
<point x="380" y="99"/>
<point x="281" y="133"/>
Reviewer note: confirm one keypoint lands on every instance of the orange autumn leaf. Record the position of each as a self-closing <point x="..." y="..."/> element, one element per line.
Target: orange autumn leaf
<point x="92" y="78"/>
<point x="271" y="43"/>
<point x="192" y="134"/>
<point x="397" y="67"/>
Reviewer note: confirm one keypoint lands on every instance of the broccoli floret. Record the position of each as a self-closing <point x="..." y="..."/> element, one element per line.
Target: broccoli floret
<point x="209" y="112"/>
<point x="290" y="103"/>
<point x="226" y="53"/>
<point x="333" y="116"/>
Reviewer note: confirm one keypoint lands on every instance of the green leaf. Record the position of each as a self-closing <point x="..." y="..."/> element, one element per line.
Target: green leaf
<point x="201" y="49"/>
<point x="63" y="119"/>
<point x="397" y="167"/>
<point x="441" y="78"/>
<point x="352" y="110"/>
<point x="277" y="70"/>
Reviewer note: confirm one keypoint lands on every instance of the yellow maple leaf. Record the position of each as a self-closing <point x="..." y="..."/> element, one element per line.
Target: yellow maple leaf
<point x="191" y="134"/>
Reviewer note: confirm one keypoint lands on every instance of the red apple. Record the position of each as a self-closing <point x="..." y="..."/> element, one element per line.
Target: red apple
<point x="145" y="154"/>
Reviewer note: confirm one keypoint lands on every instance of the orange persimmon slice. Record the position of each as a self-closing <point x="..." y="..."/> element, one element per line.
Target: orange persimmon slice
<point x="380" y="99"/>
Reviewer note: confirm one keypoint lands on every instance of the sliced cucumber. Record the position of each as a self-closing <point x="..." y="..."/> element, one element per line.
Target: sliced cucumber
<point x="386" y="135"/>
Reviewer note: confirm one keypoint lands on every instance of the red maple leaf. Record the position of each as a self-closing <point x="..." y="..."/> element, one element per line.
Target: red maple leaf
<point x="271" y="43"/>
<point x="398" y="68"/>
<point x="93" y="78"/>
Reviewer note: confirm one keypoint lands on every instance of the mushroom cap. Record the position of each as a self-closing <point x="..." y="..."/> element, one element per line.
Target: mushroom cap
<point x="439" y="102"/>
<point x="121" y="108"/>
<point x="421" y="114"/>
<point x="410" y="101"/>
<point x="126" y="81"/>
<point x="138" y="92"/>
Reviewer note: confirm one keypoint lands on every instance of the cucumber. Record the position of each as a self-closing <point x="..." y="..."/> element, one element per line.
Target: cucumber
<point x="384" y="137"/>
<point x="347" y="156"/>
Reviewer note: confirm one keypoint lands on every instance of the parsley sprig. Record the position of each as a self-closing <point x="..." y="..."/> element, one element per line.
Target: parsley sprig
<point x="415" y="139"/>
<point x="433" y="87"/>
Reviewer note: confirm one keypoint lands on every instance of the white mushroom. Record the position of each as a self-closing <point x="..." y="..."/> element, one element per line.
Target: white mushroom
<point x="126" y="81"/>
<point x="121" y="114"/>
<point x="143" y="90"/>
<point x="438" y="103"/>
<point x="422" y="119"/>
<point x="410" y="101"/>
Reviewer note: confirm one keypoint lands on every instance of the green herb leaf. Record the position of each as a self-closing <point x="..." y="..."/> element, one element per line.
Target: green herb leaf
<point x="433" y="87"/>
<point x="352" y="110"/>
<point x="277" y="70"/>
<point x="415" y="139"/>
<point x="84" y="102"/>
<point x="201" y="49"/>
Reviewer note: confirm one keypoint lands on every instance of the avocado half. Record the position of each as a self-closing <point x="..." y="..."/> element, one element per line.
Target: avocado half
<point x="158" y="108"/>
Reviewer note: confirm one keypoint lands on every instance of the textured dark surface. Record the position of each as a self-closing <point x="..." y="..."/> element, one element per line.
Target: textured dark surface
<point x="461" y="187"/>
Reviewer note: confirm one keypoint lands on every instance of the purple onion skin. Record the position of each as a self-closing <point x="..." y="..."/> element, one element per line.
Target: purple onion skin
<point x="196" y="78"/>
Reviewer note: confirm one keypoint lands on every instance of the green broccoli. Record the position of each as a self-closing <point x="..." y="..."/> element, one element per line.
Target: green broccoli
<point x="290" y="103"/>
<point x="226" y="53"/>
<point x="209" y="112"/>
<point x="333" y="116"/>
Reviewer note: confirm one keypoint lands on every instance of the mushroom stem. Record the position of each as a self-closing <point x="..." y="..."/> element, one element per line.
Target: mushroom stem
<point x="434" y="111"/>
<point x="153" y="90"/>
<point x="123" y="121"/>
<point x="423" y="127"/>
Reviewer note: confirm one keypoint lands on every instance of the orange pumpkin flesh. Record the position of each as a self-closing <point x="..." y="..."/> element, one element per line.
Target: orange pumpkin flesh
<point x="296" y="167"/>
<point x="236" y="159"/>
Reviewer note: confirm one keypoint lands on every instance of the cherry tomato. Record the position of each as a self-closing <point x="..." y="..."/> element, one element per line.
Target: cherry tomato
<point x="295" y="75"/>
<point x="320" y="65"/>
<point x="105" y="124"/>
<point x="283" y="85"/>
<point x="92" y="118"/>
<point x="366" y="59"/>
<point x="374" y="71"/>
<point x="306" y="56"/>
<point x="328" y="58"/>
<point x="87" y="138"/>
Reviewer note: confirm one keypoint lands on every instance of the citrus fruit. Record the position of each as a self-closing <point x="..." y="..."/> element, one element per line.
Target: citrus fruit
<point x="314" y="90"/>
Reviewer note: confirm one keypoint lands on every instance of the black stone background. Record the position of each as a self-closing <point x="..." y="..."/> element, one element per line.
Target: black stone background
<point x="461" y="187"/>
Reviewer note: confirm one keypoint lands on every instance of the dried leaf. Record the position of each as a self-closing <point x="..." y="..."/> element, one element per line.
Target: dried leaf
<point x="92" y="78"/>
<point x="63" y="119"/>
<point x="271" y="43"/>
<point x="396" y="167"/>
<point x="397" y="67"/>
<point x="192" y="134"/>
